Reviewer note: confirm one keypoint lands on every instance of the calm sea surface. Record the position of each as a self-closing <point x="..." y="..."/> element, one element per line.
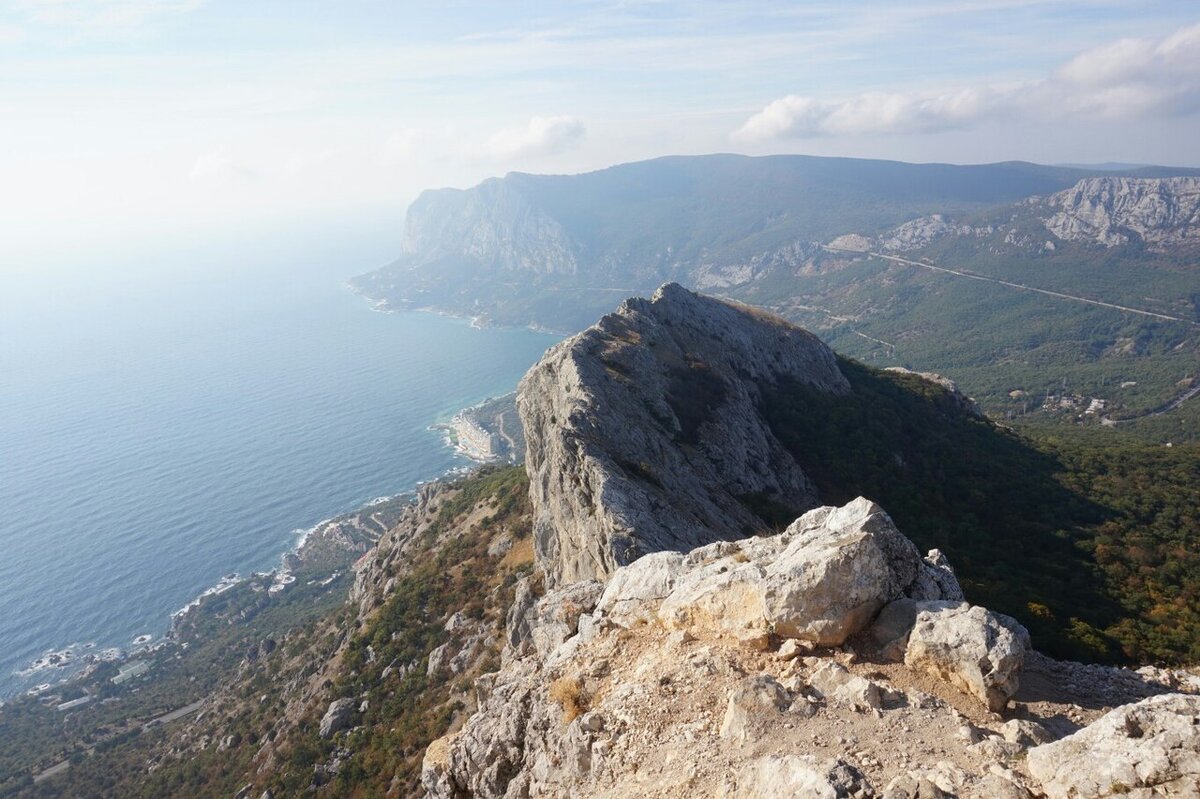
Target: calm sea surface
<point x="162" y="427"/>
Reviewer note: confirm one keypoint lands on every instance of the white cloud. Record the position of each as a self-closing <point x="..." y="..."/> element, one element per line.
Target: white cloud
<point x="540" y="137"/>
<point x="1125" y="79"/>
<point x="871" y="112"/>
<point x="96" y="18"/>
<point x="219" y="164"/>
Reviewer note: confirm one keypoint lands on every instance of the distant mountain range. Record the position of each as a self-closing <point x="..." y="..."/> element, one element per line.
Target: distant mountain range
<point x="1060" y="250"/>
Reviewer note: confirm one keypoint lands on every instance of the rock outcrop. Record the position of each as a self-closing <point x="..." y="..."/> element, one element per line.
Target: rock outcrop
<point x="1151" y="748"/>
<point x="585" y="670"/>
<point x="643" y="432"/>
<point x="925" y="230"/>
<point x="821" y="580"/>
<point x="495" y="223"/>
<point x="337" y="717"/>
<point x="975" y="649"/>
<point x="673" y="654"/>
<point x="1116" y="210"/>
<point x="964" y="402"/>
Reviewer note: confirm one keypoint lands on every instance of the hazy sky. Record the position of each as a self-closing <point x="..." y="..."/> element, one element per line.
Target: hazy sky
<point x="125" y="120"/>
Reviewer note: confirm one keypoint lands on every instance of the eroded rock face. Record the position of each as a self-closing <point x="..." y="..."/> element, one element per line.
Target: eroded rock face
<point x="1115" y="210"/>
<point x="643" y="432"/>
<point x="1151" y="748"/>
<point x="978" y="651"/>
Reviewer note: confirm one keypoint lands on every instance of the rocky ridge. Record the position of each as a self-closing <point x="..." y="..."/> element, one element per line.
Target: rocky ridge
<point x="1159" y="213"/>
<point x="644" y="433"/>
<point x="674" y="656"/>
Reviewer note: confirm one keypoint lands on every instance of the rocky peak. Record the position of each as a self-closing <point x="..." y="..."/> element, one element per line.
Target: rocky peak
<point x="1116" y="210"/>
<point x="643" y="431"/>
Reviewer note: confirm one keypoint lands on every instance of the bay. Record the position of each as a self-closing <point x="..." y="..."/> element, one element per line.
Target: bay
<point x="169" y="421"/>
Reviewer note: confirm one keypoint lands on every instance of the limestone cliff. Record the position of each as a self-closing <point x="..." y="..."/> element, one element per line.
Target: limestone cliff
<point x="1116" y="210"/>
<point x="643" y="432"/>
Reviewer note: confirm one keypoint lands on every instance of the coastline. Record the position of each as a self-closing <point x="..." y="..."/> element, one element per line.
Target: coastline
<point x="62" y="663"/>
<point x="316" y="549"/>
<point x="479" y="322"/>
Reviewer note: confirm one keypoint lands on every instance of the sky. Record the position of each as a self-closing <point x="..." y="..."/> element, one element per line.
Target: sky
<point x="127" y="121"/>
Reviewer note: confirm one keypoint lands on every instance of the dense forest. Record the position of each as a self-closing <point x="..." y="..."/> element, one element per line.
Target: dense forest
<point x="1090" y="543"/>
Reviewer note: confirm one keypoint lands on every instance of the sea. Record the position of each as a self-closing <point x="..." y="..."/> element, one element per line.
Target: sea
<point x="170" y="418"/>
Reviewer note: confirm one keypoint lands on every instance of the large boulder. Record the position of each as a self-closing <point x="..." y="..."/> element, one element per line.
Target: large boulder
<point x="337" y="717"/>
<point x="822" y="580"/>
<point x="644" y="434"/>
<point x="1150" y="748"/>
<point x="974" y="649"/>
<point x="841" y="567"/>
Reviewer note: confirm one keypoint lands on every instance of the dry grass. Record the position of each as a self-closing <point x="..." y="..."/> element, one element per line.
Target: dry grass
<point x="567" y="691"/>
<point x="521" y="554"/>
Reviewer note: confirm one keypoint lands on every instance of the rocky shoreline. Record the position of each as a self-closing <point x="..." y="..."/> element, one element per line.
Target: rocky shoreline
<point x="321" y="553"/>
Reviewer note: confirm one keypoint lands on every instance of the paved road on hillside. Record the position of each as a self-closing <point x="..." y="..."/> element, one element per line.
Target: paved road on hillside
<point x="1020" y="286"/>
<point x="165" y="718"/>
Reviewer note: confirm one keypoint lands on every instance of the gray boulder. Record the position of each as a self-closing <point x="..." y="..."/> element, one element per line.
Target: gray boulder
<point x="841" y="567"/>
<point x="974" y="649"/>
<point x="822" y="580"/>
<point x="337" y="717"/>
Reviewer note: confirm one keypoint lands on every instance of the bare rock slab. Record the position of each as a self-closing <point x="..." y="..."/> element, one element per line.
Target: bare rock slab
<point x="1149" y="748"/>
<point x="790" y="776"/>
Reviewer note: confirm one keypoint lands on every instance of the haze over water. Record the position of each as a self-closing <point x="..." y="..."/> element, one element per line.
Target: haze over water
<point x="169" y="421"/>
